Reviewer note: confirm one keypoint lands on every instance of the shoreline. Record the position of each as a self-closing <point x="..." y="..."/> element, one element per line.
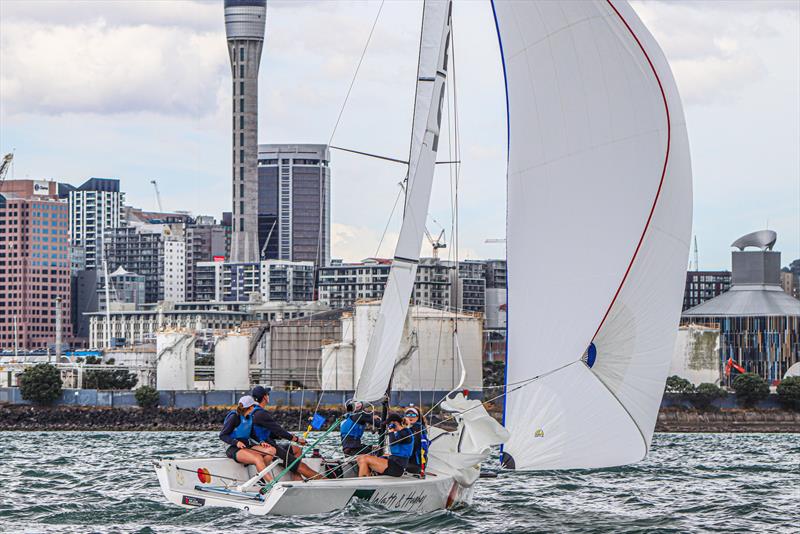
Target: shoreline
<point x="81" y="418"/>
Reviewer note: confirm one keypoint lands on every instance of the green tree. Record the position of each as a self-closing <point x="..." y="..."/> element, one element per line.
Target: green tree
<point x="678" y="386"/>
<point x="705" y="394"/>
<point x="108" y="379"/>
<point x="750" y="388"/>
<point x="789" y="392"/>
<point x="41" y="384"/>
<point x="147" y="397"/>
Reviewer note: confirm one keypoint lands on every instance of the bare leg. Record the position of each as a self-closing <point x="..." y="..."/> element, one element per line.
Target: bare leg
<point x="268" y="456"/>
<point x="367" y="463"/>
<point x="250" y="457"/>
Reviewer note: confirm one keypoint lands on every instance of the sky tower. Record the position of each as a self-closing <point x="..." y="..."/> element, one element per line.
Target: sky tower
<point x="245" y="21"/>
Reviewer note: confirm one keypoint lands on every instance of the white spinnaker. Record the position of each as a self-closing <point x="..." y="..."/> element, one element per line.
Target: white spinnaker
<point x="599" y="219"/>
<point x="431" y="77"/>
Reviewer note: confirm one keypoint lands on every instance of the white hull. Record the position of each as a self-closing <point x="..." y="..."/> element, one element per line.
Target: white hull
<point x="453" y="467"/>
<point x="182" y="486"/>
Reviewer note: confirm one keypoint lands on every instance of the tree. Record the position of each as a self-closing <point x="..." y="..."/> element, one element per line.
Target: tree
<point x="678" y="386"/>
<point x="494" y="374"/>
<point x="750" y="388"/>
<point x="789" y="392"/>
<point x="147" y="397"/>
<point x="108" y="379"/>
<point x="41" y="384"/>
<point x="707" y="393"/>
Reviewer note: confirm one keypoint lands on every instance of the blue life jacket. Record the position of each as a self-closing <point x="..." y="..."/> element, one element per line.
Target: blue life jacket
<point x="351" y="432"/>
<point x="420" y="443"/>
<point x="245" y="427"/>
<point x="262" y="433"/>
<point x="402" y="450"/>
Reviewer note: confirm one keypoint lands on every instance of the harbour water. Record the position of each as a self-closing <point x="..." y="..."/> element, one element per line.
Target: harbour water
<point x="104" y="482"/>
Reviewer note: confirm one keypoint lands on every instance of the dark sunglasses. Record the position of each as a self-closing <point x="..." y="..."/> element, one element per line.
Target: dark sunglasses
<point x="412" y="414"/>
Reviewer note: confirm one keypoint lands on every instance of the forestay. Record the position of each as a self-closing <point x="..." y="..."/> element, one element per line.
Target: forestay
<point x="599" y="219"/>
<point x="431" y="77"/>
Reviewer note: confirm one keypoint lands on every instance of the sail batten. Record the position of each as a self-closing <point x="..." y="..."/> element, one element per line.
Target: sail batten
<point x="378" y="366"/>
<point x="598" y="161"/>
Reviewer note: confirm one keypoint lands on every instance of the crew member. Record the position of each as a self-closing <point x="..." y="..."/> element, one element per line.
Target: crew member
<point x="267" y="429"/>
<point x="401" y="445"/>
<point x="352" y="429"/>
<point x="416" y="422"/>
<point x="237" y="431"/>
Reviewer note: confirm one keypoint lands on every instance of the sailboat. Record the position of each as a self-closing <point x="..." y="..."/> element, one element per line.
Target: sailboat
<point x="598" y="164"/>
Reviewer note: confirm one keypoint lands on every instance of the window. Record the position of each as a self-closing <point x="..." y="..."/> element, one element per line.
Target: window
<point x="241" y="88"/>
<point x="241" y="224"/>
<point x="241" y="173"/>
<point x="241" y="122"/>
<point x="241" y="207"/>
<point x="241" y="71"/>
<point x="241" y="54"/>
<point x="241" y="139"/>
<point x="241" y="190"/>
<point x="241" y="156"/>
<point x="241" y="105"/>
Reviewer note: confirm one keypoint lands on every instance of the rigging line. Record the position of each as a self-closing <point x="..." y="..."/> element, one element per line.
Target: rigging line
<point x="389" y="221"/>
<point x="371" y="155"/>
<point x="355" y="74"/>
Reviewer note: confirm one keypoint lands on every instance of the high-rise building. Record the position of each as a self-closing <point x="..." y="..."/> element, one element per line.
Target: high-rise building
<point x="205" y="241"/>
<point x="157" y="251"/>
<point x="34" y="265"/>
<point x="94" y="207"/>
<point x="294" y="203"/>
<point x="245" y="22"/>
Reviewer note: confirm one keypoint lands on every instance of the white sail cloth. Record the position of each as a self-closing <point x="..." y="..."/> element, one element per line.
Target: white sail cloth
<point x="599" y="219"/>
<point x="431" y="77"/>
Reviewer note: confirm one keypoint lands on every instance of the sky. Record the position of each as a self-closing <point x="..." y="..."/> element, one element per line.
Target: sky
<point x="140" y="90"/>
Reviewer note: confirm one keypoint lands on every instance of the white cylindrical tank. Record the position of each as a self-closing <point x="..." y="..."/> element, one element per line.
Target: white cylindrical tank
<point x="232" y="362"/>
<point x="337" y="367"/>
<point x="696" y="355"/>
<point x="174" y="361"/>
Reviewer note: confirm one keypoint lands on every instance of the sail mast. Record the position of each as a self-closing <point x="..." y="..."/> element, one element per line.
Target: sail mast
<point x="431" y="79"/>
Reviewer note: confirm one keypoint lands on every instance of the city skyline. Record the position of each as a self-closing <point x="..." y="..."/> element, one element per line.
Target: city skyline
<point x="735" y="63"/>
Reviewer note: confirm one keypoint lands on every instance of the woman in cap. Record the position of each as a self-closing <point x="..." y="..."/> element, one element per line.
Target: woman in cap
<point x="237" y="431"/>
<point x="414" y="420"/>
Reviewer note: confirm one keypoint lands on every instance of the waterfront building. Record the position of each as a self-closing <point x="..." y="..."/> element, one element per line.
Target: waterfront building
<point x="34" y="265"/>
<point x="294" y="203"/>
<point x="704" y="285"/>
<point x="264" y="281"/>
<point x="137" y="327"/>
<point x="245" y="22"/>
<point x="759" y="324"/>
<point x="468" y="285"/>
<point x="94" y="208"/>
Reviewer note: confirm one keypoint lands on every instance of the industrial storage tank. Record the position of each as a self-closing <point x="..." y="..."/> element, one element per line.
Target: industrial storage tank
<point x="175" y="361"/>
<point x="232" y="362"/>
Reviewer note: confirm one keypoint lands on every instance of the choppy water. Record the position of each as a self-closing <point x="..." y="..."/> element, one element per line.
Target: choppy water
<point x="103" y="482"/>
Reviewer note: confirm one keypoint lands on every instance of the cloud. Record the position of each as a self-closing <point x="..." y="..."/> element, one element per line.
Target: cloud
<point x="710" y="44"/>
<point x="354" y="243"/>
<point x="99" y="68"/>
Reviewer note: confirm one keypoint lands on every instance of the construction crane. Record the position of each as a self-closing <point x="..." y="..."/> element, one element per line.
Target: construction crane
<point x="696" y="256"/>
<point x="158" y="195"/>
<point x="266" y="242"/>
<point x="5" y="165"/>
<point x="437" y="243"/>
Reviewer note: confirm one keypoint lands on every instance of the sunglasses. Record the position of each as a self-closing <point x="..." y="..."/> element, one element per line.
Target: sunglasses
<point x="412" y="414"/>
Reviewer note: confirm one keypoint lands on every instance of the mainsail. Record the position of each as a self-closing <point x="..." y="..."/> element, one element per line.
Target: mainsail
<point x="431" y="77"/>
<point x="598" y="227"/>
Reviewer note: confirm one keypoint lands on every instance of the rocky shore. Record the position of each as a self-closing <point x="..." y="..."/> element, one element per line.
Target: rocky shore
<point x="33" y="418"/>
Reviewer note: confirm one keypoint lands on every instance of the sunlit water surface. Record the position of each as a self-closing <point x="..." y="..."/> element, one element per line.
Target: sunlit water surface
<point x="104" y="482"/>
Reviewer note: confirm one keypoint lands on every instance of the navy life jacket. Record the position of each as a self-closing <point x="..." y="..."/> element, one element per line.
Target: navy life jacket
<point x="262" y="433"/>
<point x="351" y="432"/>
<point x="242" y="431"/>
<point x="402" y="450"/>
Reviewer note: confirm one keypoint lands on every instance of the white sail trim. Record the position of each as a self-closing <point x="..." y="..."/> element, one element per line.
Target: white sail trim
<point x="599" y="165"/>
<point x="431" y="77"/>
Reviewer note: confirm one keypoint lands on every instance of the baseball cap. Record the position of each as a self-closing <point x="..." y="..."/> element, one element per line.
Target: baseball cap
<point x="247" y="401"/>
<point x="259" y="392"/>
